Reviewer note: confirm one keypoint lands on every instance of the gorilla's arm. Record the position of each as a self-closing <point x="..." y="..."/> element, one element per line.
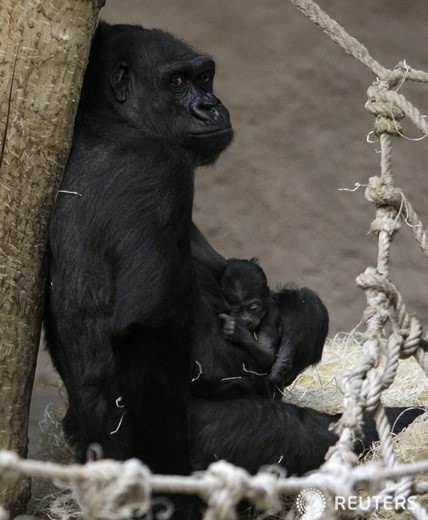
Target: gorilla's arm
<point x="304" y="331"/>
<point x="204" y="253"/>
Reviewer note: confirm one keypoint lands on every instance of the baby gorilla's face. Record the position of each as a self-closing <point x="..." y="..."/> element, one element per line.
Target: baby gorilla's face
<point x="245" y="289"/>
<point x="251" y="311"/>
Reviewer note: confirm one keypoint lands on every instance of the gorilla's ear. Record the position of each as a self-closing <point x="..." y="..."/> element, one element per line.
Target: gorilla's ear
<point x="120" y="82"/>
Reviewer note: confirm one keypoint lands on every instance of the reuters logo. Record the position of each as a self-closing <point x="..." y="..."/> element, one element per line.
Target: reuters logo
<point x="312" y="501"/>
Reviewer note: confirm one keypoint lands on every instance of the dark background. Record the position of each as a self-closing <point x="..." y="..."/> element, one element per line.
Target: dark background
<point x="297" y="106"/>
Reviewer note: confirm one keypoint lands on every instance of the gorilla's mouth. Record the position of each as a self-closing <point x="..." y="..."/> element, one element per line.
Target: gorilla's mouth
<point x="209" y="143"/>
<point x="210" y="133"/>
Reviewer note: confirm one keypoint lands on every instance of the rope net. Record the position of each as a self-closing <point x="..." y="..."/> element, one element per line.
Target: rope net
<point x="108" y="489"/>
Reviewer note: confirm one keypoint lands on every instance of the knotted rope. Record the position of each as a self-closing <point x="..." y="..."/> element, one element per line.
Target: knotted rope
<point x="109" y="489"/>
<point x="363" y="385"/>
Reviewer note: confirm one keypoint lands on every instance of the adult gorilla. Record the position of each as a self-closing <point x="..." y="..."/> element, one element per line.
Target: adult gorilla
<point x="123" y="290"/>
<point x="133" y="284"/>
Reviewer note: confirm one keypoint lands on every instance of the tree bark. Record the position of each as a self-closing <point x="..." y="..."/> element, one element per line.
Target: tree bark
<point x="44" y="47"/>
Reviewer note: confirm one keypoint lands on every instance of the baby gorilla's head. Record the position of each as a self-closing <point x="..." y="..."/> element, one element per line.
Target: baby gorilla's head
<point x="245" y="288"/>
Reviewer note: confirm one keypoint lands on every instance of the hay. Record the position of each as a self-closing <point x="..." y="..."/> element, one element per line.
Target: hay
<point x="52" y="499"/>
<point x="319" y="387"/>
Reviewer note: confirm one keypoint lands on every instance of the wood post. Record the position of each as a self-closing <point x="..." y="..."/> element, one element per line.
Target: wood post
<point x="44" y="46"/>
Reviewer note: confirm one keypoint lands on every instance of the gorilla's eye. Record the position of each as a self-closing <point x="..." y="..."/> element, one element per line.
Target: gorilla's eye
<point x="205" y="76"/>
<point x="254" y="307"/>
<point x="176" y="81"/>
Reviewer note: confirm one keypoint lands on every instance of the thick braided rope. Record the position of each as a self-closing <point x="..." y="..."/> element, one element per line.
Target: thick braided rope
<point x="388" y="207"/>
<point x="385" y="235"/>
<point x="382" y="227"/>
<point x="394" y="106"/>
<point x="405" y="484"/>
<point x="362" y="384"/>
<point x="353" y="47"/>
<point x="349" y="44"/>
<point x="119" y="488"/>
<point x="378" y="193"/>
<point x="229" y="484"/>
<point x="389" y="107"/>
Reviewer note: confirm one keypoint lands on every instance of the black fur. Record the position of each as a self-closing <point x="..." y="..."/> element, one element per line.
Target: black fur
<point x="304" y="321"/>
<point x="254" y="433"/>
<point x="123" y="290"/>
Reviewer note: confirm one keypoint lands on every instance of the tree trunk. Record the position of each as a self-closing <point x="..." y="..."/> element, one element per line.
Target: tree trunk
<point x="44" y="47"/>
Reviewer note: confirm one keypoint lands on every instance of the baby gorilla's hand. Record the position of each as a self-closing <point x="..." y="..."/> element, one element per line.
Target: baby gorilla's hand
<point x="233" y="329"/>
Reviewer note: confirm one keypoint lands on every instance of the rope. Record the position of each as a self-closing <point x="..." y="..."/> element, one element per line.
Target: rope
<point x="353" y="47"/>
<point x="362" y="384"/>
<point x="109" y="489"/>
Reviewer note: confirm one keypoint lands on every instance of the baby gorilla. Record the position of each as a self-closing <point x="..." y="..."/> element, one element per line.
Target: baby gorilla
<point x="254" y="321"/>
<point x="264" y="323"/>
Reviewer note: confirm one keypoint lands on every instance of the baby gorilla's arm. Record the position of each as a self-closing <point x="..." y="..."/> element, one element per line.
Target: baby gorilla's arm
<point x="262" y="349"/>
